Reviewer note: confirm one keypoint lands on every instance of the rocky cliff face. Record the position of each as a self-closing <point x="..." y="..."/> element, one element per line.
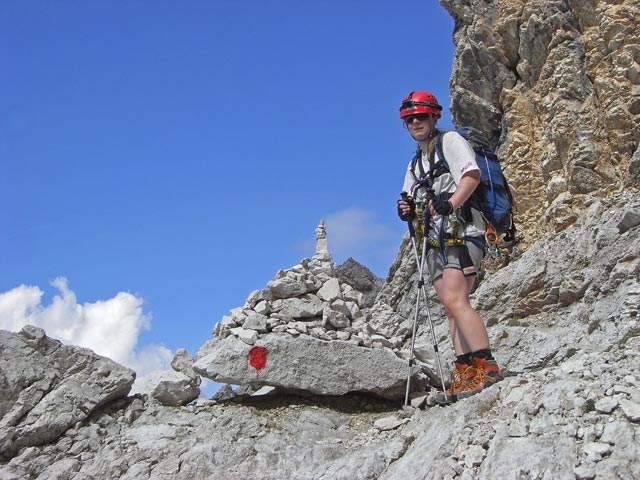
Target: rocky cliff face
<point x="557" y="82"/>
<point x="321" y="352"/>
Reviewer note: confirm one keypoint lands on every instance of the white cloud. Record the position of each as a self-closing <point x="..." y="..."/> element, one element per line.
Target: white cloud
<point x="18" y="304"/>
<point x="354" y="230"/>
<point x="108" y="327"/>
<point x="150" y="358"/>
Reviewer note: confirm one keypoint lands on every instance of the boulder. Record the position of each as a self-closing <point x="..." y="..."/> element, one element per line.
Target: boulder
<point x="361" y="279"/>
<point x="183" y="362"/>
<point x="307" y="364"/>
<point x="48" y="387"/>
<point x="169" y="387"/>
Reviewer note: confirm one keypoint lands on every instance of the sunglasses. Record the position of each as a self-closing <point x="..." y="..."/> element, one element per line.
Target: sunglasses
<point x="421" y="117"/>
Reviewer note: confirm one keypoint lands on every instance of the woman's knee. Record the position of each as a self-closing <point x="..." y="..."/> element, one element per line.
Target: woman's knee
<point x="456" y="305"/>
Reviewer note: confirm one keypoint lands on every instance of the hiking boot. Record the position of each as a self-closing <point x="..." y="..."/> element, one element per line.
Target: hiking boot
<point x="462" y="375"/>
<point x="487" y="373"/>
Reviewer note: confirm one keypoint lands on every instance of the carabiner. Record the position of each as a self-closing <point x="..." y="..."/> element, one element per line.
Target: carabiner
<point x="490" y="235"/>
<point x="492" y="238"/>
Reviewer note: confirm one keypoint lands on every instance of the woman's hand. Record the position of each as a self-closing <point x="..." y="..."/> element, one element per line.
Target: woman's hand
<point x="406" y="207"/>
<point x="440" y="206"/>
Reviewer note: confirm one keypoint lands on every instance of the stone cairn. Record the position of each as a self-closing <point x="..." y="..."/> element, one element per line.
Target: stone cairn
<point x="314" y="298"/>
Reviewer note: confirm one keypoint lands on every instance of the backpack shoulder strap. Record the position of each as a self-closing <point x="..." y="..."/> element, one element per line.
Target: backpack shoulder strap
<point x="416" y="162"/>
<point x="440" y="150"/>
<point x="442" y="166"/>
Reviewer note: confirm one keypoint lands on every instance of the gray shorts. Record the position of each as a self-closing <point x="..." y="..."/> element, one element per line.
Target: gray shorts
<point x="454" y="255"/>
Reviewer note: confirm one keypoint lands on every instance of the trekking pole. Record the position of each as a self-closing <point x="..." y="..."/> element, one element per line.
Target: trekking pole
<point x="421" y="290"/>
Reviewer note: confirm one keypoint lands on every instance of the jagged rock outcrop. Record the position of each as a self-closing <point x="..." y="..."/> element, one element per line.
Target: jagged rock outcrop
<point x="557" y="84"/>
<point x="577" y="419"/>
<point x="577" y="289"/>
<point x="48" y="387"/>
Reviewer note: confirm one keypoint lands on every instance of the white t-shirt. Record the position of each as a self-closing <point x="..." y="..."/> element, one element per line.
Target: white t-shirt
<point x="461" y="160"/>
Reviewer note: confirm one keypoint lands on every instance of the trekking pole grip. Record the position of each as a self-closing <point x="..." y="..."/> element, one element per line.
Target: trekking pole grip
<point x="410" y="216"/>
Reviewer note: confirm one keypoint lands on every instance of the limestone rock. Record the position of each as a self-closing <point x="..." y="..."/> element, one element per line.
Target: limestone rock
<point x="48" y="387"/>
<point x="330" y="291"/>
<point x="389" y="423"/>
<point x="183" y="362"/>
<point x="256" y="321"/>
<point x="631" y="410"/>
<point x="287" y="287"/>
<point x="308" y="364"/>
<point x="315" y="298"/>
<point x="361" y="279"/>
<point x="552" y="95"/>
<point x="169" y="387"/>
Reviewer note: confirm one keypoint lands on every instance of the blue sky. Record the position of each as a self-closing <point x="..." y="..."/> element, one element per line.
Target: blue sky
<point x="161" y="160"/>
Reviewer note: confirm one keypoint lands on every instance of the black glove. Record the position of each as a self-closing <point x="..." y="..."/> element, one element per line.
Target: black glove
<point x="409" y="216"/>
<point x="442" y="207"/>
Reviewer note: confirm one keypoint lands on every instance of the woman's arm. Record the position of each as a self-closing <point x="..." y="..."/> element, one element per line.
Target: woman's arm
<point x="465" y="188"/>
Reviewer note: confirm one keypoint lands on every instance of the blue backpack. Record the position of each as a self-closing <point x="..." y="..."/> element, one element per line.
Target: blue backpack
<point x="493" y="196"/>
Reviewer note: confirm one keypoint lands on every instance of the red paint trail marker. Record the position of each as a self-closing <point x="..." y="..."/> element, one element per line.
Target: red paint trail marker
<point x="258" y="358"/>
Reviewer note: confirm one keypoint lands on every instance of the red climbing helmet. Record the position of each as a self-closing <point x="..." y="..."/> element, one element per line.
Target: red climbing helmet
<point x="420" y="102"/>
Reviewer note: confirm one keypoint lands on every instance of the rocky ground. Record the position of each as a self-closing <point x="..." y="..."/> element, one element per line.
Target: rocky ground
<point x="576" y="420"/>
